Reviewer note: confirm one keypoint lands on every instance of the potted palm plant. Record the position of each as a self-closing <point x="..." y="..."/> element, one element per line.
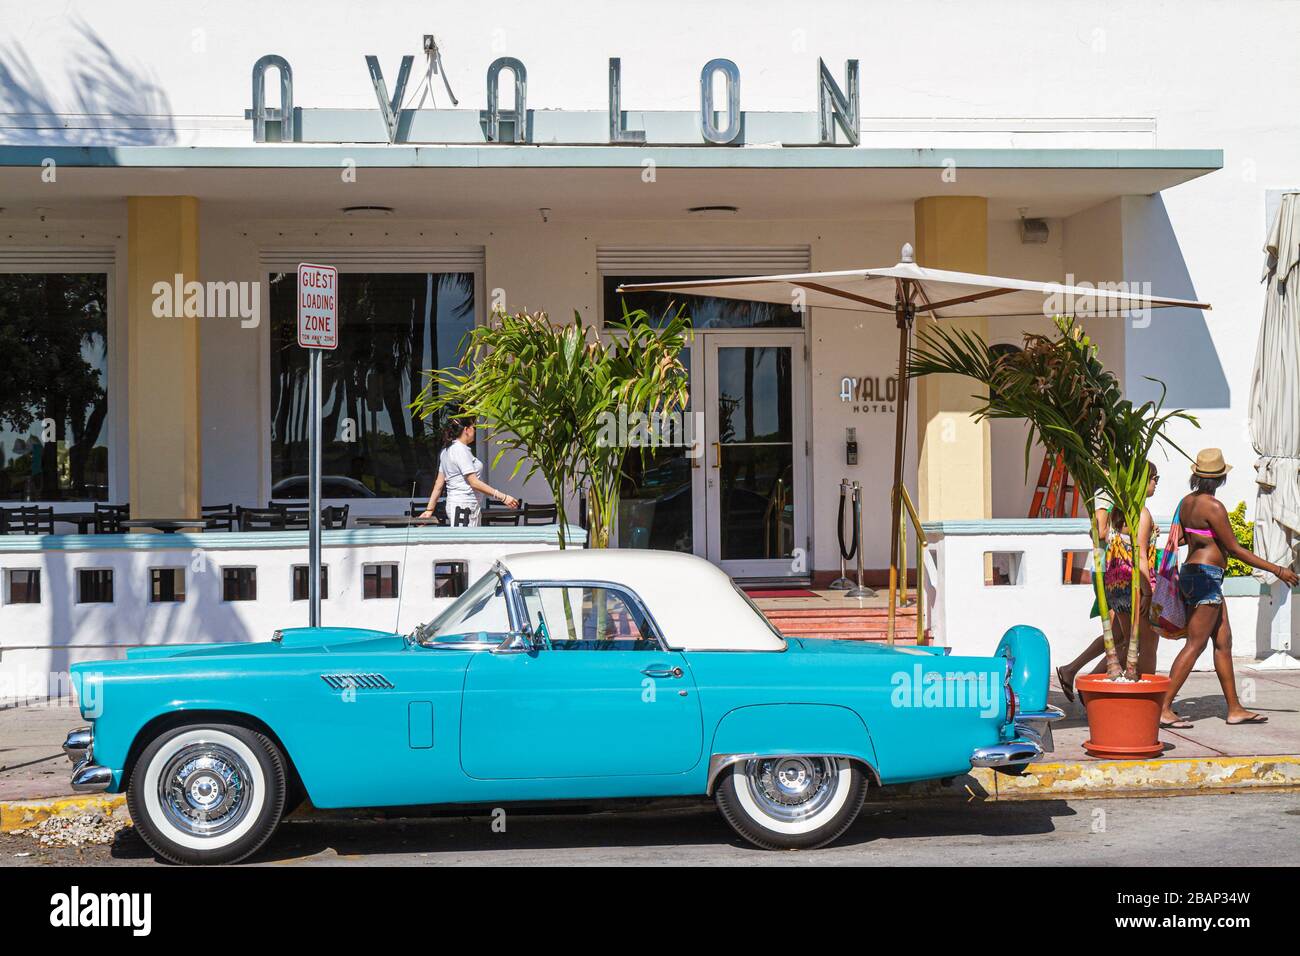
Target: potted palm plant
<point x="1075" y="409"/>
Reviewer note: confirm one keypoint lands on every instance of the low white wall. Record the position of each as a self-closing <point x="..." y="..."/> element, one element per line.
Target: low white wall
<point x="38" y="642"/>
<point x="970" y="616"/>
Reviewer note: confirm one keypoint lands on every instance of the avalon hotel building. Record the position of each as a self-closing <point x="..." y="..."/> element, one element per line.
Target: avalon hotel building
<point x="163" y="175"/>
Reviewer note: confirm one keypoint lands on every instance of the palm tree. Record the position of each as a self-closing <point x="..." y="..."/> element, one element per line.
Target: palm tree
<point x="1075" y="409"/>
<point x="548" y="391"/>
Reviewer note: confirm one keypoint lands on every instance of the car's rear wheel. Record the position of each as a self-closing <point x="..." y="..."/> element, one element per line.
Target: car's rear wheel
<point x="211" y="793"/>
<point x="791" y="802"/>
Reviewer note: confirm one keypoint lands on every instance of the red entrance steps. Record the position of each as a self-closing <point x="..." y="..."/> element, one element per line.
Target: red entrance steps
<point x="843" y="623"/>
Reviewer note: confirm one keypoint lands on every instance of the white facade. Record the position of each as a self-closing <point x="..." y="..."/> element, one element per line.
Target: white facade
<point x="1016" y="79"/>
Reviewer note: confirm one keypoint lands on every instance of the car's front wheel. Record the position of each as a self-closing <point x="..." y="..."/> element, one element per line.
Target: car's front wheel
<point x="210" y="793"/>
<point x="791" y="802"/>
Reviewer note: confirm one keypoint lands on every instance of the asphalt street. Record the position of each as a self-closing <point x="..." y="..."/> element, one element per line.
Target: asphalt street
<point x="1240" y="829"/>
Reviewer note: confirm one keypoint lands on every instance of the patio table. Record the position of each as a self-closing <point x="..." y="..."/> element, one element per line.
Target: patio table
<point x="165" y="525"/>
<point x="82" y="519"/>
<point x="399" y="522"/>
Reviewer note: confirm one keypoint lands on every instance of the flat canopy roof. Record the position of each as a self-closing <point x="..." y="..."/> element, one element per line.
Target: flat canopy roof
<point x="474" y="182"/>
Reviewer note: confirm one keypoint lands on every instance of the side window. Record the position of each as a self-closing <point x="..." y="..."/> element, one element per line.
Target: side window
<point x="587" y="619"/>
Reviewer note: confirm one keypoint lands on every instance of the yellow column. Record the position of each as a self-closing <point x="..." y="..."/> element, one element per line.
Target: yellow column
<point x="163" y="365"/>
<point x="954" y="469"/>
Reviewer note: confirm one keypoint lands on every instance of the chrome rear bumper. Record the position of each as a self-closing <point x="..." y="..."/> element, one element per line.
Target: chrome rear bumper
<point x="1032" y="739"/>
<point x="87" y="776"/>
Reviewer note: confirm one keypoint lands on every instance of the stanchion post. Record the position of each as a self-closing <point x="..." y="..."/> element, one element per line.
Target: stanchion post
<point x="860" y="590"/>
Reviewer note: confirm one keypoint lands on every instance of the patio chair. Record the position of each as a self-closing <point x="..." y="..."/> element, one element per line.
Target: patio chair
<point x="108" y="518"/>
<point x="439" y="510"/>
<point x="261" y="519"/>
<point x="32" y="519"/>
<point x="540" y="514"/>
<point x="334" y="516"/>
<point x="219" y="517"/>
<point x="499" y="517"/>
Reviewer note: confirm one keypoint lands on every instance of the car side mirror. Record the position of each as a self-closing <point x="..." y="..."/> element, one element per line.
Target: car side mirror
<point x="520" y="641"/>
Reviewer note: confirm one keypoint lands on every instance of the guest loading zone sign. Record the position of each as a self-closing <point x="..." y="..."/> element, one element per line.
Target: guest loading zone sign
<point x="318" y="312"/>
<point x="719" y="120"/>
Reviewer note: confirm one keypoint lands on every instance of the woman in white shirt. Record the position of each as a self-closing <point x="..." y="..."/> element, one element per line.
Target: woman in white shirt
<point x="462" y="474"/>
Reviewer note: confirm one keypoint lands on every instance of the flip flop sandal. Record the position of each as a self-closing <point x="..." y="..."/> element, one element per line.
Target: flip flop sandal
<point x="1066" y="689"/>
<point x="1182" y="723"/>
<point x="1257" y="719"/>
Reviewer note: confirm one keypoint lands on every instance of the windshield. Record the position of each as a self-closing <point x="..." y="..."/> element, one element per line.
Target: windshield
<point x="479" y="616"/>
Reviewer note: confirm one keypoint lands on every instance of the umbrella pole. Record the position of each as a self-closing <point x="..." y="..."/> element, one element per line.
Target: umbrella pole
<point x="902" y="314"/>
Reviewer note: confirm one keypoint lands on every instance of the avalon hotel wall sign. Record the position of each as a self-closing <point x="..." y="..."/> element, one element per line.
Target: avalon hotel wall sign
<point x="714" y="124"/>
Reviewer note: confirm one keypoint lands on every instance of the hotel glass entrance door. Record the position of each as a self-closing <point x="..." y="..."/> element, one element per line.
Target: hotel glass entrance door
<point x="737" y="493"/>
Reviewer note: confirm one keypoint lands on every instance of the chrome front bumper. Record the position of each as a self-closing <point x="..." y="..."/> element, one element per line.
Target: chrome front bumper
<point x="87" y="776"/>
<point x="1032" y="739"/>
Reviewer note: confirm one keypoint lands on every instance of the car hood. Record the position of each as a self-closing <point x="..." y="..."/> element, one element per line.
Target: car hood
<point x="289" y="640"/>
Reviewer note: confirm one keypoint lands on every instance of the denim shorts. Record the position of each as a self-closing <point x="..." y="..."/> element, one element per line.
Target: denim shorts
<point x="1200" y="584"/>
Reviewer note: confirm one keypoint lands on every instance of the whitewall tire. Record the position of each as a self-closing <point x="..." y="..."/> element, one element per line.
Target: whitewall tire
<point x="210" y="793"/>
<point x="791" y="802"/>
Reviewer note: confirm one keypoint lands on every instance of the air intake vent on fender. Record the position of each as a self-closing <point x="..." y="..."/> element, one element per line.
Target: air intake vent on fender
<point x="357" y="681"/>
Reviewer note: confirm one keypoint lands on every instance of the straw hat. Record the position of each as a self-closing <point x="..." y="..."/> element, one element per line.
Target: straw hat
<point x="1210" y="464"/>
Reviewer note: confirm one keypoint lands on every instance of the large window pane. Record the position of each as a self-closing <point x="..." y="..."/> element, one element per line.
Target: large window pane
<point x="53" y="387"/>
<point x="705" y="312"/>
<point x="392" y="328"/>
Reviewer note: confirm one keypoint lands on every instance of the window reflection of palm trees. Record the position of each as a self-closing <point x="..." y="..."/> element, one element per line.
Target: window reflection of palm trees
<point x="393" y="326"/>
<point x="53" y="397"/>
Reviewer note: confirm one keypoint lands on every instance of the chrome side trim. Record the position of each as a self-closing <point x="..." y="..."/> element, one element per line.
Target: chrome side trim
<point x="78" y="744"/>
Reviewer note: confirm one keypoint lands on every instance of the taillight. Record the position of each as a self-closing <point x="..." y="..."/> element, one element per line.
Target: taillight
<point x="1011" y="704"/>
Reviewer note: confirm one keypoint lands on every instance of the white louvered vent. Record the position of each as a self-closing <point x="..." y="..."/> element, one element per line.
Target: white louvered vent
<point x="703" y="260"/>
<point x="48" y="259"/>
<point x="435" y="260"/>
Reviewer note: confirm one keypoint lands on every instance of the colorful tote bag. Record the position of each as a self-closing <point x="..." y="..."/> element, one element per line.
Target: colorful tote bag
<point x="1168" y="613"/>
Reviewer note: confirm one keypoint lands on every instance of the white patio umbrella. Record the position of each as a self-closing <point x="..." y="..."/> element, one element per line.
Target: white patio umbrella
<point x="1275" y="420"/>
<point x="905" y="291"/>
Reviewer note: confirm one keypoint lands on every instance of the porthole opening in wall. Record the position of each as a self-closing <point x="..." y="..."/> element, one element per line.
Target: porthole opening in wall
<point x="379" y="581"/>
<point x="23" y="586"/>
<point x="450" y="578"/>
<point x="1076" y="567"/>
<point x="239" y="584"/>
<point x="301" y="577"/>
<point x="166" y="585"/>
<point x="94" y="585"/>
<point x="1003" y="568"/>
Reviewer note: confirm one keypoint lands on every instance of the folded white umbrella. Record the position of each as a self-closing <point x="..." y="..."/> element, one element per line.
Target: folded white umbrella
<point x="1275" y="418"/>
<point x="939" y="292"/>
<point x="904" y="291"/>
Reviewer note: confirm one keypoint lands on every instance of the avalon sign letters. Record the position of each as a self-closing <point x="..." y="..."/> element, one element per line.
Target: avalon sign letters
<point x="719" y="121"/>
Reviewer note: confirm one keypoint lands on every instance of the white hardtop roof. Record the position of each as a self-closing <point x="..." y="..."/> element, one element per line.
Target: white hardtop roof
<point x="695" y="603"/>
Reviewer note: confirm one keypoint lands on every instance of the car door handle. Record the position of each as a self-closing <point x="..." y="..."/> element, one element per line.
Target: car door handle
<point x="661" y="671"/>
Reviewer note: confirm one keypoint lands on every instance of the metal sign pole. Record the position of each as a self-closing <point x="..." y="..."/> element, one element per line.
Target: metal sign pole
<point x="313" y="486"/>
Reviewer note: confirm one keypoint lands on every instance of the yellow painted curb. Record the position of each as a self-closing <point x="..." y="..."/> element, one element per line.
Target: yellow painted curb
<point x="1101" y="777"/>
<point x="22" y="814"/>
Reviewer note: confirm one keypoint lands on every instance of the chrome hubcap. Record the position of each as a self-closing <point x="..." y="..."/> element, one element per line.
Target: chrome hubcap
<point x="791" y="788"/>
<point x="205" y="789"/>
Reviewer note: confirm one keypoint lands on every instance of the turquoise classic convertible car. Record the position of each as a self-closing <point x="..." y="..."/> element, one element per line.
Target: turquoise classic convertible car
<point x="560" y="675"/>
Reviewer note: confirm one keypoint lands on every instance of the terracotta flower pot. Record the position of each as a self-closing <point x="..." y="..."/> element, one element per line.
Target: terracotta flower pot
<point x="1123" y="718"/>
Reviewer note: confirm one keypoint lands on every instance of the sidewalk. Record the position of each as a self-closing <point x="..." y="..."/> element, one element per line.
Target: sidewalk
<point x="1211" y="755"/>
